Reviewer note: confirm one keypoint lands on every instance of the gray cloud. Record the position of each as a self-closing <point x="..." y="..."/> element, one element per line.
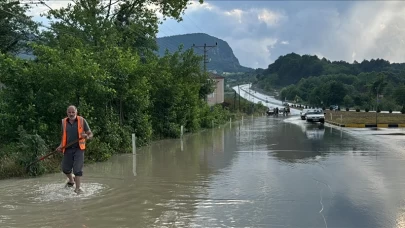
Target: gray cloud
<point x="260" y="31"/>
<point x="341" y="30"/>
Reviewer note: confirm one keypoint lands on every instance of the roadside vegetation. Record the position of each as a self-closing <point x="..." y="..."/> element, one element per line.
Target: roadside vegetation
<point x="101" y="57"/>
<point x="318" y="82"/>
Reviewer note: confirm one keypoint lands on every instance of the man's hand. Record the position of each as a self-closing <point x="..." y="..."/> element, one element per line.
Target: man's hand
<point x="87" y="135"/>
<point x="59" y="148"/>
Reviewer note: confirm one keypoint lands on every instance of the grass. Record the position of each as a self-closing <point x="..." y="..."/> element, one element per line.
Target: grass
<point x="364" y="117"/>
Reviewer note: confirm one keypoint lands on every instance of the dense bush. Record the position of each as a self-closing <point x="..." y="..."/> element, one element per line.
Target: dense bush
<point x="114" y="78"/>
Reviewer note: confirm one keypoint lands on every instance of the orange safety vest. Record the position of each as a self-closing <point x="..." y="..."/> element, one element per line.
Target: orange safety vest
<point x="80" y="124"/>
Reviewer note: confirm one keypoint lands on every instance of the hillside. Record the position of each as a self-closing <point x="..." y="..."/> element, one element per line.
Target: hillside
<point x="222" y="58"/>
<point x="290" y="68"/>
<point x="317" y="81"/>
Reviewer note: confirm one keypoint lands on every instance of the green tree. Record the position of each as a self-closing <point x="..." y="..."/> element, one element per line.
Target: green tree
<point x="348" y="101"/>
<point x="16" y="28"/>
<point x="399" y="95"/>
<point x="378" y="86"/>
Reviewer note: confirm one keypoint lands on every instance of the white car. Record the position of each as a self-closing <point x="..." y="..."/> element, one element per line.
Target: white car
<point x="315" y="116"/>
<point x="304" y="112"/>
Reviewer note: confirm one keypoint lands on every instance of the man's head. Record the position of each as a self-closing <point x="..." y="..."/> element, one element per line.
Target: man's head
<point x="72" y="112"/>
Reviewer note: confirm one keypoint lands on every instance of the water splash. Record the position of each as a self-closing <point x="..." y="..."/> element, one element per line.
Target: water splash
<point x="57" y="192"/>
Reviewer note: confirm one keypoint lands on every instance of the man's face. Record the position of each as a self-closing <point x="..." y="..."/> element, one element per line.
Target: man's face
<point x="71" y="112"/>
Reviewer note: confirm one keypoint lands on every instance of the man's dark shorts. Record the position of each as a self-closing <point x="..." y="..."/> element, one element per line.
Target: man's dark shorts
<point x="73" y="158"/>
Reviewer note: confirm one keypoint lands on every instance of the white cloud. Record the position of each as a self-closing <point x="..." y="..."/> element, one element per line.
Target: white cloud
<point x="285" y="42"/>
<point x="376" y="33"/>
<point x="271" y="18"/>
<point x="196" y="6"/>
<point x="252" y="52"/>
<point x="353" y="56"/>
<point x="235" y="14"/>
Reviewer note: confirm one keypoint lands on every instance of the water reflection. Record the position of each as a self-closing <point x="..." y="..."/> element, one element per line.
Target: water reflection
<point x="296" y="141"/>
<point x="314" y="131"/>
<point x="268" y="172"/>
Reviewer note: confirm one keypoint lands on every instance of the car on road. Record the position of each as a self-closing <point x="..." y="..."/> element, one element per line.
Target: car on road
<point x="270" y="111"/>
<point x="315" y="116"/>
<point x="304" y="112"/>
<point x="334" y="107"/>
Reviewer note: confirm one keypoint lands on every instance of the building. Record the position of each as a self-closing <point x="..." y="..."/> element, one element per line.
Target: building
<point x="217" y="97"/>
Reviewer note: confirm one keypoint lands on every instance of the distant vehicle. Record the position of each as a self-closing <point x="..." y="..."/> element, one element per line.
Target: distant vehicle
<point x="334" y="107"/>
<point x="315" y="116"/>
<point x="270" y="111"/>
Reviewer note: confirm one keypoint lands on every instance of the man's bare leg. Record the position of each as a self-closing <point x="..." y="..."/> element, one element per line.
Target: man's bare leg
<point x="70" y="177"/>
<point x="77" y="179"/>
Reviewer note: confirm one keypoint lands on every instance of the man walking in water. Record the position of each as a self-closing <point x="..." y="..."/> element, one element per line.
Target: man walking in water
<point x="74" y="128"/>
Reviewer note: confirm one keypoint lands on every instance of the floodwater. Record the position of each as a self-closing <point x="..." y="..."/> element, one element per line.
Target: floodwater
<point x="265" y="172"/>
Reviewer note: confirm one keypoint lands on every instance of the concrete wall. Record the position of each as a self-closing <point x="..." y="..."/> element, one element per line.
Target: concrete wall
<point x="217" y="97"/>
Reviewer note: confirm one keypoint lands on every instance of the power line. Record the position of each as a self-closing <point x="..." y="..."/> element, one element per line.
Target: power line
<point x="192" y="21"/>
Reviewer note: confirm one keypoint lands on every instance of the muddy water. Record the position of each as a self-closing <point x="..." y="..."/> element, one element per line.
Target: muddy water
<point x="269" y="172"/>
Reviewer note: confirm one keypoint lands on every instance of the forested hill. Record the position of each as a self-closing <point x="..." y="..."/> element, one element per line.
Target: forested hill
<point x="318" y="82"/>
<point x="222" y="58"/>
<point x="290" y="68"/>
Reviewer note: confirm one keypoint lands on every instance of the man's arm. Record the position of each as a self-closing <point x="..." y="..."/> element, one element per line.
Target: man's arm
<point x="87" y="130"/>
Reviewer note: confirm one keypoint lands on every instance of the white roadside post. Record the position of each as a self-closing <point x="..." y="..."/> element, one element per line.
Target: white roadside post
<point x="134" y="154"/>
<point x="181" y="137"/>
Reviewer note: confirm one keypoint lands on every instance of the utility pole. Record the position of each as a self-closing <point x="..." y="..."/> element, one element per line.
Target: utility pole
<point x="376" y="108"/>
<point x="239" y="98"/>
<point x="234" y="102"/>
<point x="206" y="48"/>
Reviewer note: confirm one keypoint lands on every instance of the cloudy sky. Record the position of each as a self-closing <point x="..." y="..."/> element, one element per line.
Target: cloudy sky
<point x="260" y="31"/>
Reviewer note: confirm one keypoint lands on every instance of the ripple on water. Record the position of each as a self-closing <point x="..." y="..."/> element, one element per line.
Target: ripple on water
<point x="57" y="192"/>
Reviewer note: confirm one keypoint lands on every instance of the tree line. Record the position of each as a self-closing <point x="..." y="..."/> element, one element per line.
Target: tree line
<point x="319" y="82"/>
<point x="101" y="57"/>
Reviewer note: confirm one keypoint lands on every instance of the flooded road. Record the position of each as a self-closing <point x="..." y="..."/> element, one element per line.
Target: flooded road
<point x="266" y="172"/>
